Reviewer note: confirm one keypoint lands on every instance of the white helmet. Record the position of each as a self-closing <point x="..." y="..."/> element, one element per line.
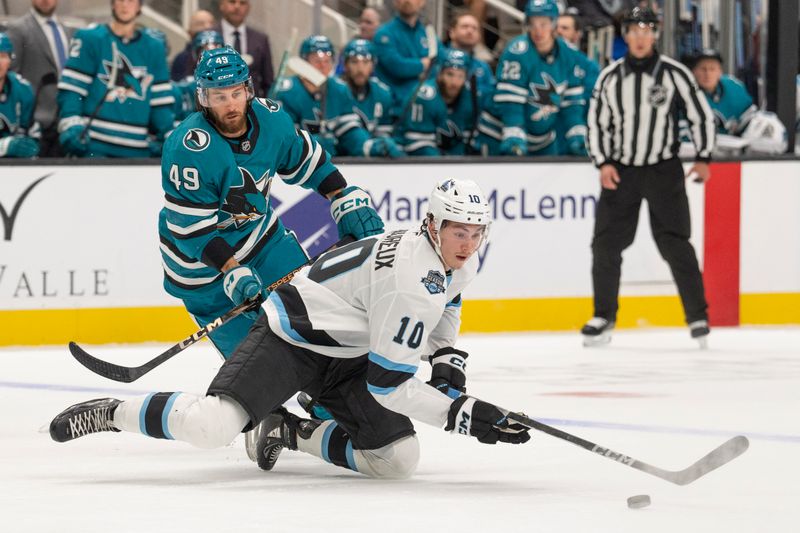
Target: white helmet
<point x="766" y="133"/>
<point x="458" y="201"/>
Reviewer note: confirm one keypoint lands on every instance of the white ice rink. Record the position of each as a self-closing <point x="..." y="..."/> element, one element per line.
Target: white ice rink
<point x="651" y="394"/>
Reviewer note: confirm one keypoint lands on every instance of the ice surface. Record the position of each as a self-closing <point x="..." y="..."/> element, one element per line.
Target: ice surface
<point x="650" y="394"/>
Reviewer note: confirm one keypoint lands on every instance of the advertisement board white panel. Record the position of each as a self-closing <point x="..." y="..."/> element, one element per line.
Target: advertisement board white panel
<point x="86" y="236"/>
<point x="770" y="227"/>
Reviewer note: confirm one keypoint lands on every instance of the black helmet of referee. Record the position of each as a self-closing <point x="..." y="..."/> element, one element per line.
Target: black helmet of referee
<point x="642" y="16"/>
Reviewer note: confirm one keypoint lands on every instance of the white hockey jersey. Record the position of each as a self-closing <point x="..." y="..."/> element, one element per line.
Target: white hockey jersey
<point x="388" y="296"/>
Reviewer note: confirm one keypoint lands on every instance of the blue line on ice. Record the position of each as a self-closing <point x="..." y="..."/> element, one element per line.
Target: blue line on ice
<point x="549" y="421"/>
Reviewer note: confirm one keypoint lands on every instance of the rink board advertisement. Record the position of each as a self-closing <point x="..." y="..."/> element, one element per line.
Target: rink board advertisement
<point x="79" y="255"/>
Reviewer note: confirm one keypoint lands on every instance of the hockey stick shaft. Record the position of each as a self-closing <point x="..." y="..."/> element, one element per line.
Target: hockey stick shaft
<point x="433" y="52"/>
<point x="127" y="374"/>
<point x="112" y="81"/>
<point x="282" y="67"/>
<point x="726" y="452"/>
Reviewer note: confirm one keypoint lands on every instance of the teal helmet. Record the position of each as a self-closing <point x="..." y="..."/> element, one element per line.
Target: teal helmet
<point x="207" y="38"/>
<point x="359" y="48"/>
<point x="6" y="46"/>
<point x="542" y="8"/>
<point x="159" y="36"/>
<point x="316" y="44"/>
<point x="220" y="68"/>
<point x="455" y="59"/>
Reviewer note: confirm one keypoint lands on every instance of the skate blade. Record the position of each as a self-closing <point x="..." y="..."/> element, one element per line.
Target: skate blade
<point x="703" y="342"/>
<point x="596" y="340"/>
<point x="251" y="443"/>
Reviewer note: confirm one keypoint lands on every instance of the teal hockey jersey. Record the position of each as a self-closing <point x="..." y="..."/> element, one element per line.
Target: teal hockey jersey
<point x="538" y="95"/>
<point x="184" y="93"/>
<point x="732" y="106"/>
<point x="432" y="127"/>
<point x="216" y="191"/>
<point x="399" y="48"/>
<point x="337" y="117"/>
<point x="375" y="107"/>
<point x="16" y="107"/>
<point x="138" y="101"/>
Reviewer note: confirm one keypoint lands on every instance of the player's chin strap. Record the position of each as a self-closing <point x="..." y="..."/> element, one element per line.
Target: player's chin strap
<point x="436" y="242"/>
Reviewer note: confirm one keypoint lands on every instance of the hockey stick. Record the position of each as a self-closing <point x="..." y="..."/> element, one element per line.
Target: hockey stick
<point x="110" y="84"/>
<point x="126" y="374"/>
<point x="433" y="52"/>
<point x="282" y="66"/>
<point x="722" y="454"/>
<point x="306" y="70"/>
<point x="473" y="95"/>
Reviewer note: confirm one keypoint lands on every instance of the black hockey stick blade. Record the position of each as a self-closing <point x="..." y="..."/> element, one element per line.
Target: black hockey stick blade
<point x="723" y="454"/>
<point x="128" y="374"/>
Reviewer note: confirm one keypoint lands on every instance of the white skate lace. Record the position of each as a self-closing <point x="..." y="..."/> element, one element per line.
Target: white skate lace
<point x="90" y="421"/>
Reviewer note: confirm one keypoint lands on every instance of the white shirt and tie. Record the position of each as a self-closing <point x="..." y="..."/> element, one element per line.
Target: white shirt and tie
<point x="230" y="33"/>
<point x="54" y="31"/>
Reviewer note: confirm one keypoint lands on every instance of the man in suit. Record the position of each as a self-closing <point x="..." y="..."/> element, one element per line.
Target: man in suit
<point x="41" y="45"/>
<point x="250" y="43"/>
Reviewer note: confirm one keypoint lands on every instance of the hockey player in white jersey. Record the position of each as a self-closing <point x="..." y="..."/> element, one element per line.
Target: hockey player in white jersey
<point x="349" y="330"/>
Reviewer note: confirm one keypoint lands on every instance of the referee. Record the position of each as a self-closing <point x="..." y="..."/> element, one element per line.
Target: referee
<point x="634" y="140"/>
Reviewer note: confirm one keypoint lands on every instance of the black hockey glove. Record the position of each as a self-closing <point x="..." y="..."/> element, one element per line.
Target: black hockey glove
<point x="485" y="421"/>
<point x="447" y="371"/>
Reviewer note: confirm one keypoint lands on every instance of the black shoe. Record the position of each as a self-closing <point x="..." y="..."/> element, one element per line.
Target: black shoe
<point x="699" y="331"/>
<point x="597" y="331"/>
<point x="279" y="430"/>
<point x="84" y="418"/>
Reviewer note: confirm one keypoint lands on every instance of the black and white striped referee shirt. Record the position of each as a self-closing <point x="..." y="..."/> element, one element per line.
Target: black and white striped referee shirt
<point x="635" y="108"/>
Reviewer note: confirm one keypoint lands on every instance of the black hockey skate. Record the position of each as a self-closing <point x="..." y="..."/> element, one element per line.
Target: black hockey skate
<point x="279" y="430"/>
<point x="597" y="331"/>
<point x="84" y="418"/>
<point x="699" y="331"/>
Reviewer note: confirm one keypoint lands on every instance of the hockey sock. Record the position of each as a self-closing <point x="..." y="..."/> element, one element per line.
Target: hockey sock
<point x="148" y="415"/>
<point x="203" y="421"/>
<point x="331" y="443"/>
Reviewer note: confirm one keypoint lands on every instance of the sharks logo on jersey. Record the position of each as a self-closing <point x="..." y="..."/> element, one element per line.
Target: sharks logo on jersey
<point x="130" y="81"/>
<point x="246" y="202"/>
<point x="196" y="140"/>
<point x="450" y="136"/>
<point x="6" y="126"/>
<point x="312" y="125"/>
<point x="366" y="123"/>
<point x="546" y="96"/>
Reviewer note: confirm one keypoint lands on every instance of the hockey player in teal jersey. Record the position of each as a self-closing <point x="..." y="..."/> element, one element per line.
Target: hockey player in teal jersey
<point x="402" y="49"/>
<point x="442" y="118"/>
<point x="17" y="130"/>
<point x="373" y="99"/>
<point x="729" y="100"/>
<point x="538" y="92"/>
<point x="119" y="74"/>
<point x="220" y="239"/>
<point x="328" y="111"/>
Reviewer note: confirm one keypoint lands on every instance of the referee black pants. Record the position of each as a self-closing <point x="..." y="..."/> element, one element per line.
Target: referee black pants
<point x="663" y="186"/>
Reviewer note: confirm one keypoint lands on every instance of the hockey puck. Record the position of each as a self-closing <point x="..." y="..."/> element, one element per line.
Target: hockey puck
<point x="639" y="501"/>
